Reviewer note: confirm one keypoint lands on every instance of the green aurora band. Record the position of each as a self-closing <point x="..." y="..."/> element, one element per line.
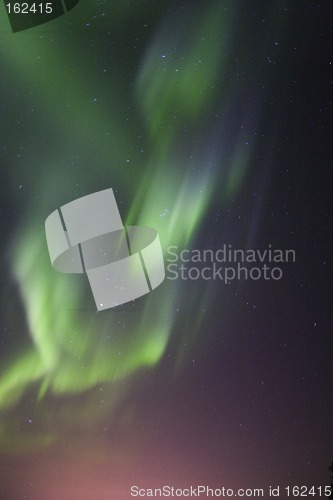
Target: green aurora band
<point x="71" y="350"/>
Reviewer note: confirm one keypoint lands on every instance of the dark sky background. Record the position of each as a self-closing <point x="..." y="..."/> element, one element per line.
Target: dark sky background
<point x="211" y="120"/>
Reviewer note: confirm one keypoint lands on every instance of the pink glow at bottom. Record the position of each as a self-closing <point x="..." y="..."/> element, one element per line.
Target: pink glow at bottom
<point x="87" y="476"/>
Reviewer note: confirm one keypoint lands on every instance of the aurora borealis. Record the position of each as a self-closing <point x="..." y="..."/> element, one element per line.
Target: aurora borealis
<point x="210" y="121"/>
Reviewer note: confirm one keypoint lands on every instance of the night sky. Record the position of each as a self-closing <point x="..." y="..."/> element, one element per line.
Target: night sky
<point x="210" y="120"/>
